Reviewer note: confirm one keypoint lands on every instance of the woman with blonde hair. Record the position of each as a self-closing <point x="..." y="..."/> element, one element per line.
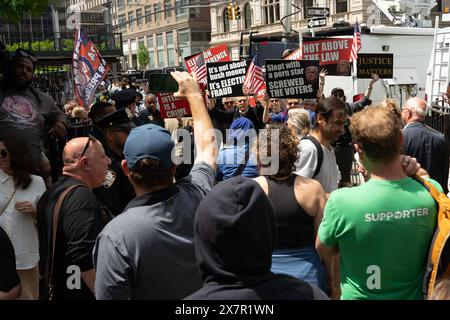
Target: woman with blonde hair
<point x="299" y="122"/>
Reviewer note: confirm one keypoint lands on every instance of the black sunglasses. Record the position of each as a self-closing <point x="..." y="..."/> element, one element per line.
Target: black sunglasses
<point x="228" y="102"/>
<point x="90" y="138"/>
<point x="3" y="153"/>
<point x="23" y="54"/>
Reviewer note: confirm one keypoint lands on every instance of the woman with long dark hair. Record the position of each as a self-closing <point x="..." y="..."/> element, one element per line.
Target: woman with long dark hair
<point x="19" y="194"/>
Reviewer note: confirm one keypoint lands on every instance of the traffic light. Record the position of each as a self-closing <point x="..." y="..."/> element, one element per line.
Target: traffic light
<point x="237" y="11"/>
<point x="230" y="12"/>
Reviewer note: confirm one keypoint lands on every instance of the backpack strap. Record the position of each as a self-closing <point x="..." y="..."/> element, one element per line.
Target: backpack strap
<point x="435" y="193"/>
<point x="55" y="218"/>
<point x="319" y="153"/>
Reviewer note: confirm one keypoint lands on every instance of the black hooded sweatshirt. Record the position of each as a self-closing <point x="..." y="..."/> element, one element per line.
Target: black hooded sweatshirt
<point x="234" y="239"/>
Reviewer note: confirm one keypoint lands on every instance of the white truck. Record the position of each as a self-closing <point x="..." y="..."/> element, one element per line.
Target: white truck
<point x="412" y="49"/>
<point x="410" y="40"/>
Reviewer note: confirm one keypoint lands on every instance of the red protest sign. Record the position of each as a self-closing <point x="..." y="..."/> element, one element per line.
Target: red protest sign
<point x="217" y="54"/>
<point x="170" y="107"/>
<point x="333" y="54"/>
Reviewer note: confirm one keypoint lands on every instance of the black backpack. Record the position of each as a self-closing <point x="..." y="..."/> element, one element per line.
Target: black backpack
<point x="319" y="153"/>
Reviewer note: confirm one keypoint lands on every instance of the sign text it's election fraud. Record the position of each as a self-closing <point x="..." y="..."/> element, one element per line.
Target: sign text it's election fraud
<point x="225" y="79"/>
<point x="170" y="107"/>
<point x="292" y="79"/>
<point x="379" y="63"/>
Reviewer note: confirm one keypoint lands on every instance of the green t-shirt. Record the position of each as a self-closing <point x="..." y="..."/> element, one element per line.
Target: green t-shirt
<point x="383" y="230"/>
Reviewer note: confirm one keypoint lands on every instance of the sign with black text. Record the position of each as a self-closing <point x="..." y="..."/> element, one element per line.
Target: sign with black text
<point x="317" y="22"/>
<point x="381" y="64"/>
<point x="292" y="78"/>
<point x="225" y="79"/>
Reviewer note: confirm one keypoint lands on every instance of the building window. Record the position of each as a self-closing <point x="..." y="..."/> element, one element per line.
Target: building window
<point x="148" y="14"/>
<point x="141" y="42"/>
<point x="151" y="62"/>
<point x="247" y="16"/>
<point x="157" y="10"/>
<point x="272" y="11"/>
<point x="201" y="36"/>
<point x="341" y="6"/>
<point x="130" y="20"/>
<point x="160" y="47"/>
<point x="167" y="9"/>
<point x="120" y="4"/>
<point x="169" y="39"/>
<point x="122" y="20"/>
<point x="139" y="18"/>
<point x="226" y="22"/>
<point x="150" y="42"/>
<point x="181" y="12"/>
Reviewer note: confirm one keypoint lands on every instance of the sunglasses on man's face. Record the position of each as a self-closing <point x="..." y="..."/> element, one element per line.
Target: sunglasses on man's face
<point x="228" y="102"/>
<point x="3" y="153"/>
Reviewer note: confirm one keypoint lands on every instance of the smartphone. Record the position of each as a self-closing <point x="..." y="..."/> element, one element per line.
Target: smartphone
<point x="162" y="82"/>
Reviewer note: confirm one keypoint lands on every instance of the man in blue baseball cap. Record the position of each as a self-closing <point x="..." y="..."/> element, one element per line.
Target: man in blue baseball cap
<point x="157" y="227"/>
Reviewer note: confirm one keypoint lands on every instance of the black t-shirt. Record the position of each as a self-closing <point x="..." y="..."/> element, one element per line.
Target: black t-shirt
<point x="81" y="219"/>
<point x="8" y="274"/>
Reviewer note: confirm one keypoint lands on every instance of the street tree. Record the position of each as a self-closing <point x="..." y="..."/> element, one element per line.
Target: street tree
<point x="143" y="56"/>
<point x="13" y="10"/>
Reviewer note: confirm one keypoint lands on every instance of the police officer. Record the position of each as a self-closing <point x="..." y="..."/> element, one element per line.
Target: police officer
<point x="116" y="191"/>
<point x="126" y="99"/>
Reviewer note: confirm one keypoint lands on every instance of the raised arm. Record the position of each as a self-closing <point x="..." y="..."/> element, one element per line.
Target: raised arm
<point x="203" y="129"/>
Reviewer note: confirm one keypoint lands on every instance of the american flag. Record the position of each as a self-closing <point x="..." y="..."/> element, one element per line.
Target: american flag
<point x="254" y="79"/>
<point x="356" y="45"/>
<point x="295" y="55"/>
<point x="200" y="70"/>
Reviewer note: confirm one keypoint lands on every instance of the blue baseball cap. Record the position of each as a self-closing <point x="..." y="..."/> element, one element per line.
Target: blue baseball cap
<point x="149" y="141"/>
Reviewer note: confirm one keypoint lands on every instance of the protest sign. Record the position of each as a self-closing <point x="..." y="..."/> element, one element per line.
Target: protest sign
<point x="369" y="63"/>
<point x="196" y="63"/>
<point x="292" y="79"/>
<point x="225" y="79"/>
<point x="170" y="107"/>
<point x="333" y="54"/>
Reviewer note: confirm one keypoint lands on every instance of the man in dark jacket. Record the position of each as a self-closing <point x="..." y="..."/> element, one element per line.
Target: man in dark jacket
<point x="234" y="239"/>
<point x="427" y="146"/>
<point x="343" y="146"/>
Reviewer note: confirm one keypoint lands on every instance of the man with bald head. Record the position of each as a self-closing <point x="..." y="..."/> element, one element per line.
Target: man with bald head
<point x="424" y="144"/>
<point x="81" y="218"/>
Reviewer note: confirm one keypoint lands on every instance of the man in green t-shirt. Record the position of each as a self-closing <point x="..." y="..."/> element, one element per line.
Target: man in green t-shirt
<point x="383" y="228"/>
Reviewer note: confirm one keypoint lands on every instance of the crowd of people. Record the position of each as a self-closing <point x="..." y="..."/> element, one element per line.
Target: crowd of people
<point x="235" y="202"/>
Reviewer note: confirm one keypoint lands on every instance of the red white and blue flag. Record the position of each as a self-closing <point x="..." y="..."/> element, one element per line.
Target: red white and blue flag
<point x="356" y="44"/>
<point x="254" y="80"/>
<point x="89" y="68"/>
<point x="200" y="70"/>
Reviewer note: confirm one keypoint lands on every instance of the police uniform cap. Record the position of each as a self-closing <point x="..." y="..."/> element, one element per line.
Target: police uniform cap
<point x="117" y="119"/>
<point x="123" y="98"/>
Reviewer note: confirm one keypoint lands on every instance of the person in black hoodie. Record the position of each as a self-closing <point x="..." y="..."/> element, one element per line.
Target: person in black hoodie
<point x="234" y="239"/>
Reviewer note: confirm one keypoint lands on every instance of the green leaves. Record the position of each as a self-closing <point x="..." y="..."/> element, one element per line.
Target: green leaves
<point x="143" y="56"/>
<point x="13" y="10"/>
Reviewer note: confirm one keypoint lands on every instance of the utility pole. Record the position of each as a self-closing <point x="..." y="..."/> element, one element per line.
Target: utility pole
<point x="287" y="25"/>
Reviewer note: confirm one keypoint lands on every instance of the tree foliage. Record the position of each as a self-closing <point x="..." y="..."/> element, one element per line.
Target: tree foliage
<point x="13" y="10"/>
<point x="143" y="56"/>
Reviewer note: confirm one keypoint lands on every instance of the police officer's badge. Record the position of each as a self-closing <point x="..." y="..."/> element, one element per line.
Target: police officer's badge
<point x="110" y="178"/>
<point x="129" y="114"/>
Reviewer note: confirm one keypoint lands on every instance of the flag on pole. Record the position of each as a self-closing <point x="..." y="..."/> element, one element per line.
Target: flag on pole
<point x="254" y="80"/>
<point x="89" y="68"/>
<point x="356" y="45"/>
<point x="297" y="54"/>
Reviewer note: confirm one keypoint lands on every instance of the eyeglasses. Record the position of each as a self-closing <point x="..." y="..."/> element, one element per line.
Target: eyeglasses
<point x="228" y="102"/>
<point x="293" y="103"/>
<point x="242" y="100"/>
<point x="339" y="95"/>
<point x="23" y="54"/>
<point x="90" y="138"/>
<point x="3" y="153"/>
